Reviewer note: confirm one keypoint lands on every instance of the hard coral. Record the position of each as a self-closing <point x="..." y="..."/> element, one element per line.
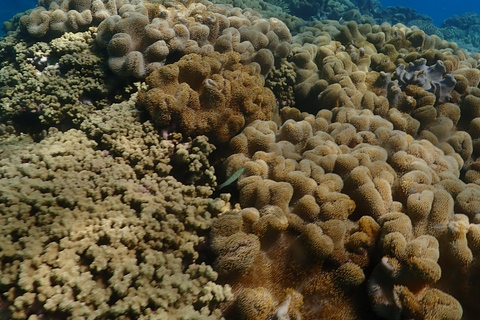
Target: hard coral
<point x="90" y="231"/>
<point x="31" y="75"/>
<point x="213" y="95"/>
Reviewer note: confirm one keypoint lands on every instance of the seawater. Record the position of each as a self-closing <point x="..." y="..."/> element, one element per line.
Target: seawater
<point x="10" y="8"/>
<point x="438" y="10"/>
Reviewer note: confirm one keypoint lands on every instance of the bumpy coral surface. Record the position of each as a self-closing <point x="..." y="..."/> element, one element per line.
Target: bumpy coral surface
<point x="434" y="99"/>
<point x="93" y="225"/>
<point x="213" y="95"/>
<point x="323" y="200"/>
<point x="370" y="196"/>
<point x="31" y="74"/>
<point x="363" y="203"/>
<point x="141" y="36"/>
<point x="145" y="37"/>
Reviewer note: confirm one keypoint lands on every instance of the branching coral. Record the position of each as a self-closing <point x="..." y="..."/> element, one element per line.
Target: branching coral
<point x="99" y="228"/>
<point x="53" y="83"/>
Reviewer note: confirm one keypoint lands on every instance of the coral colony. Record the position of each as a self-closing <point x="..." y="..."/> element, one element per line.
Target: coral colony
<point x="348" y="148"/>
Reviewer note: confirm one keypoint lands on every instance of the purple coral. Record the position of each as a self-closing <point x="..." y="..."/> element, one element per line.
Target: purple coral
<point x="432" y="78"/>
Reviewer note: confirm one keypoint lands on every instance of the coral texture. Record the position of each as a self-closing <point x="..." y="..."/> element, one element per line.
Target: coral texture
<point x="430" y="78"/>
<point x="435" y="98"/>
<point x="145" y="37"/>
<point x="213" y="95"/>
<point x="330" y="196"/>
<point x="53" y="18"/>
<point x="141" y="36"/>
<point x="105" y="232"/>
<point x="32" y="73"/>
<point x="363" y="203"/>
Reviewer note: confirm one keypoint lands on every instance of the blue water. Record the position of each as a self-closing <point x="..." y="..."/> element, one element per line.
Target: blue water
<point x="10" y="8"/>
<point x="438" y="10"/>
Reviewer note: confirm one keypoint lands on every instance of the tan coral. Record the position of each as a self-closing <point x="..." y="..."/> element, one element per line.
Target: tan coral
<point x="206" y="95"/>
<point x="334" y="205"/>
<point x="236" y="252"/>
<point x="466" y="201"/>
<point x="448" y="307"/>
<point x="307" y="208"/>
<point x="153" y="33"/>
<point x="255" y="304"/>
<point x="316" y="242"/>
<point x="394" y="194"/>
<point x="271" y="223"/>
<point x="367" y="192"/>
<point x="83" y="219"/>
<point x="257" y="193"/>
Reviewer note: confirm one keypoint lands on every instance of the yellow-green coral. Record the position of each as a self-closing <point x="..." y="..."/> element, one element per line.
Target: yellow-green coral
<point x="51" y="83"/>
<point x="98" y="228"/>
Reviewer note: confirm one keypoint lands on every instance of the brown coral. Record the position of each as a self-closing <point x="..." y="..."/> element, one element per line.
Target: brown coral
<point x="376" y="193"/>
<point x="213" y="95"/>
<point x="350" y="186"/>
<point x="147" y="35"/>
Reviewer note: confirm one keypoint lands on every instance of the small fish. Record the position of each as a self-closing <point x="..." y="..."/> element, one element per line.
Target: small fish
<point x="232" y="178"/>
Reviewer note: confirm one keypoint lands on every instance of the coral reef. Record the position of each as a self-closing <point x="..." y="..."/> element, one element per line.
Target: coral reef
<point x="357" y="72"/>
<point x="462" y="21"/>
<point x="213" y="95"/>
<point x="370" y="195"/>
<point x="402" y="14"/>
<point x="327" y="197"/>
<point x="364" y="52"/>
<point x="32" y="73"/>
<point x="141" y="36"/>
<point x="94" y="225"/>
<point x="144" y="39"/>
<point x="463" y="29"/>
<point x="361" y="202"/>
<point x="52" y="18"/>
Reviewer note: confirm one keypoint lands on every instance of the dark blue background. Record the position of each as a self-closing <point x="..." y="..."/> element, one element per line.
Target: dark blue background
<point x="439" y="10"/>
<point x="10" y="7"/>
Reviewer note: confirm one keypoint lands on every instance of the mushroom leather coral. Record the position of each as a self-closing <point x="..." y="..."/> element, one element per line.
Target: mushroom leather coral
<point x="349" y="213"/>
<point x="357" y="72"/>
<point x="150" y="34"/>
<point x="213" y="95"/>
